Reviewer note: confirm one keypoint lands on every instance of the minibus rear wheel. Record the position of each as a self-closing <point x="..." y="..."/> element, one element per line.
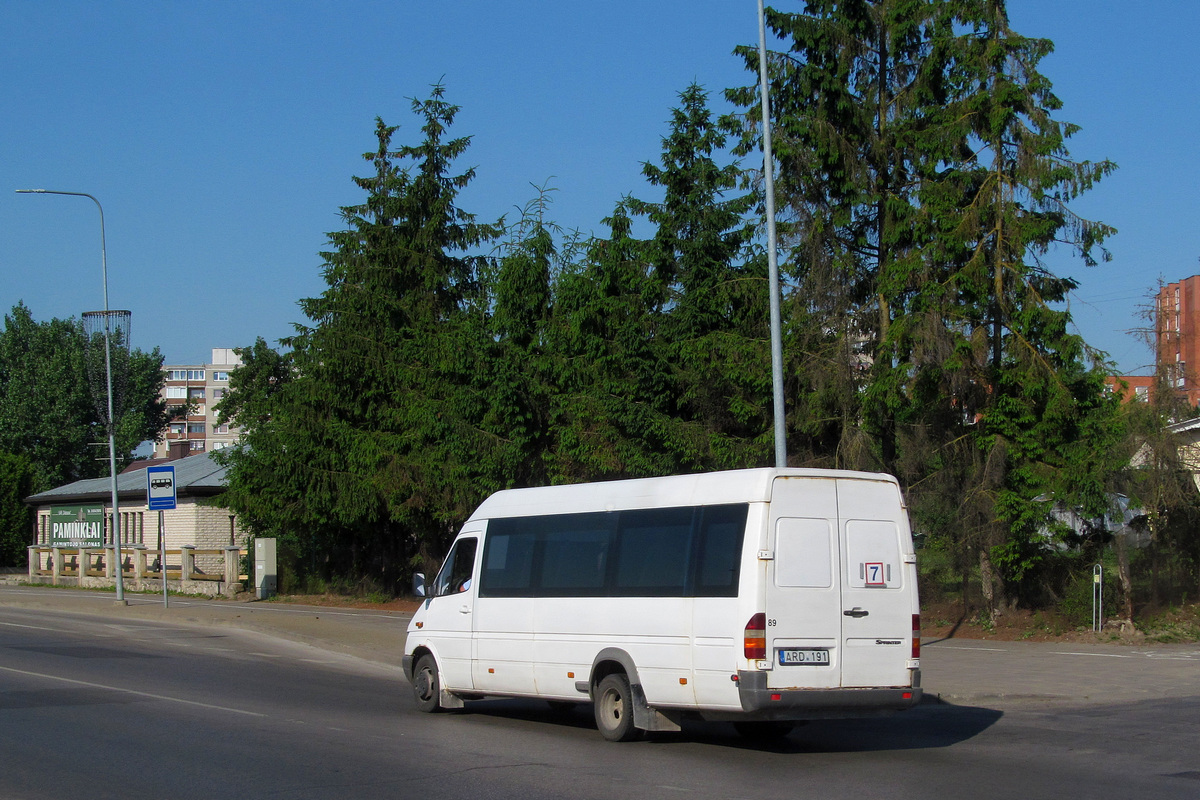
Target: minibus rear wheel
<point x="614" y="709"/>
<point x="426" y="688"/>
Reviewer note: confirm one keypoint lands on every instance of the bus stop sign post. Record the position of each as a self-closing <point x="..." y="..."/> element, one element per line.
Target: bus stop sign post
<point x="160" y="497"/>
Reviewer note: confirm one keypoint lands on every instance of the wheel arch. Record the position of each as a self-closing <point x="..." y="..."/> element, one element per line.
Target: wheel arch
<point x="608" y="661"/>
<point x="613" y="659"/>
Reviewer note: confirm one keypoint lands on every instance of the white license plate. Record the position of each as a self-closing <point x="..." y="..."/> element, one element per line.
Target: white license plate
<point x="810" y="656"/>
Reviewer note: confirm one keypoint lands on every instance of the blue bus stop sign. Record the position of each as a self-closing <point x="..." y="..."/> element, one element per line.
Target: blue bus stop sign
<point x="160" y="488"/>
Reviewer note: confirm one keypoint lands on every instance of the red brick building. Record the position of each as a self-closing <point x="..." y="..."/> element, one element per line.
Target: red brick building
<point x="1130" y="387"/>
<point x="1177" y="335"/>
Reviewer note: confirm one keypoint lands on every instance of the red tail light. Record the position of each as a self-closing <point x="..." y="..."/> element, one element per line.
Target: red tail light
<point x="756" y="637"/>
<point x="916" y="636"/>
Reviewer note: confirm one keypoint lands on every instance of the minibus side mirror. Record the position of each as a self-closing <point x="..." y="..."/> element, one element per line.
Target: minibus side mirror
<point x="419" y="584"/>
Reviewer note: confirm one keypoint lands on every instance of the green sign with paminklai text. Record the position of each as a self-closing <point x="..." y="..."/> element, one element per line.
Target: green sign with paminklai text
<point x="77" y="526"/>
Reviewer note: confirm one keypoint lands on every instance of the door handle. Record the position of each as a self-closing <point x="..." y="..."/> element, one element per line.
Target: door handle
<point x="465" y="610"/>
<point x="856" y="612"/>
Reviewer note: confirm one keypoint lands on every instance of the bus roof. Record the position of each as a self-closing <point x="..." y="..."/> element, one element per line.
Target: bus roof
<point x="708" y="488"/>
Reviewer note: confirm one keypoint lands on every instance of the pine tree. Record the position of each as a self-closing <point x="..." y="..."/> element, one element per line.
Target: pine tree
<point x="515" y="381"/>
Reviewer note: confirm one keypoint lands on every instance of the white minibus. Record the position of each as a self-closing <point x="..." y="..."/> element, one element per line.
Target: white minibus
<point x="761" y="597"/>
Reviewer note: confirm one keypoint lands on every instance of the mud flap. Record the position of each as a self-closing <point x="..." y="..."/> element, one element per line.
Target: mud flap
<point x="650" y="719"/>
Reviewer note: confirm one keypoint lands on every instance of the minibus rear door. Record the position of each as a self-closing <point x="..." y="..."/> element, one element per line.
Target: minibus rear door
<point x="803" y="585"/>
<point x="878" y="597"/>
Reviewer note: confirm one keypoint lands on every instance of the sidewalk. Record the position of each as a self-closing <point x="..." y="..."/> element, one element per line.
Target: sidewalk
<point x="376" y="636"/>
<point x="958" y="671"/>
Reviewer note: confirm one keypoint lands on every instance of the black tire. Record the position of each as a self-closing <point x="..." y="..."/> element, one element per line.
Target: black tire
<point x="614" y="709"/>
<point x="426" y="687"/>
<point x="764" y="731"/>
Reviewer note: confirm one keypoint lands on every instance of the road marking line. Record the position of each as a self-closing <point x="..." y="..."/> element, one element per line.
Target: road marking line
<point x="134" y="692"/>
<point x="36" y="627"/>
<point x="955" y="647"/>
<point x="1097" y="655"/>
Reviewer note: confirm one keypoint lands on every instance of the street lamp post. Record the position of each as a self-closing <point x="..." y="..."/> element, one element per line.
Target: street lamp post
<point x="112" y="446"/>
<point x="772" y="259"/>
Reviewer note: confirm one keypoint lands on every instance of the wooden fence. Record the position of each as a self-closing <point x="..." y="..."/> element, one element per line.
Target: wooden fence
<point x="189" y="570"/>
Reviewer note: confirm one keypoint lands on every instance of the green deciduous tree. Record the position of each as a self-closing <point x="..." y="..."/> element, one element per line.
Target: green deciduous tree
<point x="16" y="519"/>
<point x="47" y="408"/>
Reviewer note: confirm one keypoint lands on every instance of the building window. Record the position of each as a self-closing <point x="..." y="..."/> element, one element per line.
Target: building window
<point x="197" y="444"/>
<point x="221" y="429"/>
<point x="177" y="428"/>
<point x="217" y="394"/>
<point x="176" y="392"/>
<point x="195" y="394"/>
<point x="1141" y="393"/>
<point x="195" y="427"/>
<point x="133" y="528"/>
<point x="220" y="376"/>
<point x="185" y="374"/>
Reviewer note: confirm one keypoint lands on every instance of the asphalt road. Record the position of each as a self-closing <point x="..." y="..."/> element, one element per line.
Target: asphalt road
<point x="107" y="704"/>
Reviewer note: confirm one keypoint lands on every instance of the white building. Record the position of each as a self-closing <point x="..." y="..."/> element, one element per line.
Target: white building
<point x="204" y="385"/>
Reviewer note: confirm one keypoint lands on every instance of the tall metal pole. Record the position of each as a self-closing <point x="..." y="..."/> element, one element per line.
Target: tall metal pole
<point x="772" y="258"/>
<point x="112" y="446"/>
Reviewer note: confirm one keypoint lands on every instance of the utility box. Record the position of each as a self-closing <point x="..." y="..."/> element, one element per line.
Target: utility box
<point x="266" y="574"/>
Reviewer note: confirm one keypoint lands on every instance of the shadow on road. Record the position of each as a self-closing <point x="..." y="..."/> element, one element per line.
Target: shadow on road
<point x="933" y="724"/>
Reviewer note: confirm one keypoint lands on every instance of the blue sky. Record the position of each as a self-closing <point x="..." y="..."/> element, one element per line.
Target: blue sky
<point x="221" y="137"/>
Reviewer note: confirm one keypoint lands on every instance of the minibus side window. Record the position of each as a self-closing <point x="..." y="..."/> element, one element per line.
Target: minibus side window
<point x="575" y="557"/>
<point x="654" y="551"/>
<point x="455" y="576"/>
<point x="508" y="560"/>
<point x="719" y="561"/>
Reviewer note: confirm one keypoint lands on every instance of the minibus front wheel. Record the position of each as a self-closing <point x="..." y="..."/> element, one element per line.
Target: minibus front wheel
<point x="425" y="684"/>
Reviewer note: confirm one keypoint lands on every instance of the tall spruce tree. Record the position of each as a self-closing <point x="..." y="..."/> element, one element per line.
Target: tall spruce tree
<point x="1045" y="418"/>
<point x="515" y="381"/>
<point x="713" y="293"/>
<point x="610" y="410"/>
<point x="854" y="138"/>
<point x="923" y="178"/>
<point x="378" y="432"/>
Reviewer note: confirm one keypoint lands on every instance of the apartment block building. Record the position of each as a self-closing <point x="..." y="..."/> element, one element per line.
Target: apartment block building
<point x="203" y="385"/>
<point x="1177" y="336"/>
